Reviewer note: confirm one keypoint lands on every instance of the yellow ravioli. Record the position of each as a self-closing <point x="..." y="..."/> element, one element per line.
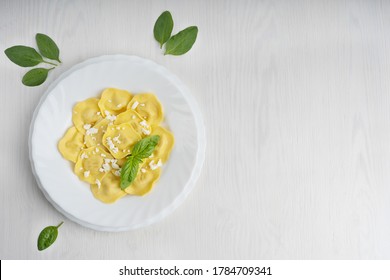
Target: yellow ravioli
<point x="94" y="136"/>
<point x="148" y="107"/>
<point x="92" y="164"/>
<point x="71" y="144"/>
<point x="85" y="114"/>
<point x="135" y="120"/>
<point x="108" y="190"/>
<point x="146" y="178"/>
<point x="165" y="144"/>
<point x="119" y="139"/>
<point x="114" y="101"/>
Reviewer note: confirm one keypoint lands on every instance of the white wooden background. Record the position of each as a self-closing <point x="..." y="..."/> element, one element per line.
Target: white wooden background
<point x="296" y="98"/>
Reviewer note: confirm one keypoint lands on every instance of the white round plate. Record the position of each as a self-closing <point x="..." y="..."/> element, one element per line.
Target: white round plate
<point x="53" y="116"/>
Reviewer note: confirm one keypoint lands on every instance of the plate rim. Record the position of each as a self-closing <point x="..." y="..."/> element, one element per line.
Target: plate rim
<point x="201" y="136"/>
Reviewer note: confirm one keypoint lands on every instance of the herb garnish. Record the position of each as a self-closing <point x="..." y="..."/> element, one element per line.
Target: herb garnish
<point x="178" y="44"/>
<point x="27" y="57"/>
<point x="141" y="150"/>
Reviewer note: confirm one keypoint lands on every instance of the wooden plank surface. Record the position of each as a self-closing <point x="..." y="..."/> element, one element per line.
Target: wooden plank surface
<point x="295" y="96"/>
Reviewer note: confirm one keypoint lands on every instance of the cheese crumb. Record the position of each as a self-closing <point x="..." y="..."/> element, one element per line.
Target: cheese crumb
<point x="109" y="100"/>
<point x="111" y="145"/>
<point x="119" y="105"/>
<point x="109" y="116"/>
<point x="117" y="173"/>
<point x="102" y="155"/>
<point x="87" y="126"/>
<point x="116" y="139"/>
<point x="133" y="117"/>
<point x="142" y="104"/>
<point x="134" y="105"/>
<point x="96" y="150"/>
<point x="83" y="156"/>
<point x="98" y="183"/>
<point x="115" y="165"/>
<point x="98" y="113"/>
<point x="92" y="130"/>
<point x="145" y="131"/>
<point x="106" y="165"/>
<point x="144" y="124"/>
<point x="86" y="173"/>
<point x="154" y="166"/>
<point x="143" y="170"/>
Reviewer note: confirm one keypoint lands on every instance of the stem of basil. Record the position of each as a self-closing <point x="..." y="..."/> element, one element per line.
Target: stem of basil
<point x="60" y="224"/>
<point x="44" y="61"/>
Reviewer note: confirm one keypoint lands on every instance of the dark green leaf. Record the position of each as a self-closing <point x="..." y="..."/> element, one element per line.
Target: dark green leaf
<point x="163" y="28"/>
<point x="182" y="42"/>
<point x="23" y="56"/>
<point x="35" y="77"/>
<point x="47" y="47"/>
<point x="129" y="171"/>
<point x="47" y="236"/>
<point x="145" y="147"/>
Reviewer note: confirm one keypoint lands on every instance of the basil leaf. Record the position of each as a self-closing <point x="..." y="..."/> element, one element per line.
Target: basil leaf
<point x="48" y="236"/>
<point x="145" y="147"/>
<point x="129" y="171"/>
<point x="47" y="47"/>
<point x="35" y="77"/>
<point x="163" y="28"/>
<point x="23" y="56"/>
<point x="182" y="42"/>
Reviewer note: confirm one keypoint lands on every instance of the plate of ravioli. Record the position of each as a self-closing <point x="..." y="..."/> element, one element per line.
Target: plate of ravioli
<point x="90" y="124"/>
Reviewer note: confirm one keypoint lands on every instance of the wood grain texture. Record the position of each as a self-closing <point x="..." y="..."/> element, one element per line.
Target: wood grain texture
<point x="295" y="95"/>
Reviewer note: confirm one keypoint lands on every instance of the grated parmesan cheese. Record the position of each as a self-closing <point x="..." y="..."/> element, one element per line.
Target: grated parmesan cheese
<point x="134" y="105"/>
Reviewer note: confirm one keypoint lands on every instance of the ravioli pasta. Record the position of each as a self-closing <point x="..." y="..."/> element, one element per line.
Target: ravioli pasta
<point x="103" y="134"/>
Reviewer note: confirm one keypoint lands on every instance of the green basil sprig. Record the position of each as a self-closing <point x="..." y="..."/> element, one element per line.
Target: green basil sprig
<point x="141" y="150"/>
<point x="27" y="57"/>
<point x="177" y="44"/>
<point x="48" y="236"/>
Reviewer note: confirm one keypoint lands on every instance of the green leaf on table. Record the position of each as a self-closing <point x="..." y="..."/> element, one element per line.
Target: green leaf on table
<point x="163" y="28"/>
<point x="182" y="42"/>
<point x="48" y="236"/>
<point x="35" y="77"/>
<point x="23" y="56"/>
<point x="47" y="47"/>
